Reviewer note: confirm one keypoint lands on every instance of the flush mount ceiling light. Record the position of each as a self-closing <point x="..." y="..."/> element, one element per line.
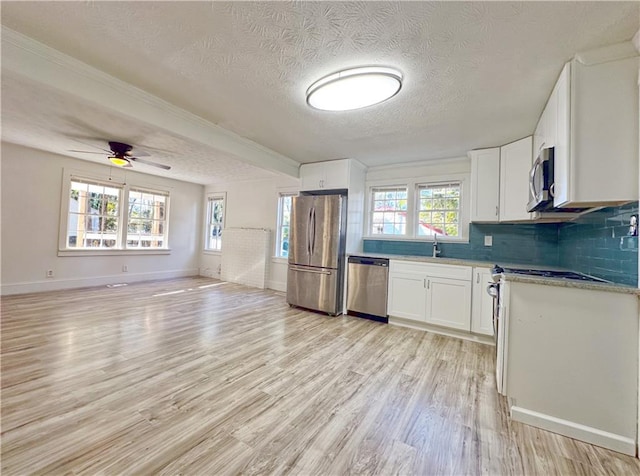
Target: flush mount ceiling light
<point x="354" y="88"/>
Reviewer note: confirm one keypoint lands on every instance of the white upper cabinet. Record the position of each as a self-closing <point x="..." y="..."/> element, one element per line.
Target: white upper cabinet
<point x="515" y="165"/>
<point x="329" y="175"/>
<point x="545" y="133"/>
<point x="485" y="184"/>
<point x="500" y="182"/>
<point x="596" y="130"/>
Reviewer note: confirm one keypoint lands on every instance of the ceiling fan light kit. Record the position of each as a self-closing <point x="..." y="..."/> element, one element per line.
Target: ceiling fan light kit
<point x="122" y="155"/>
<point x="354" y="88"/>
<point x="119" y="161"/>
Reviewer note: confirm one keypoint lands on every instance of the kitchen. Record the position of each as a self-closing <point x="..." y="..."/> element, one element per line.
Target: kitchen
<point x="251" y="201"/>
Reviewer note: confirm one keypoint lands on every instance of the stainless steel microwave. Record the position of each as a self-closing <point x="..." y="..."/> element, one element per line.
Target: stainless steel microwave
<point x="541" y="182"/>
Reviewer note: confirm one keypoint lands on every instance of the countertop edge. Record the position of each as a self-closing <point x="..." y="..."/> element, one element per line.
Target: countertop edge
<point x="567" y="283"/>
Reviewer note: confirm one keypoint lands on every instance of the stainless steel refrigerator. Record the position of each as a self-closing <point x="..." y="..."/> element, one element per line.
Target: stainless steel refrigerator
<point x="315" y="279"/>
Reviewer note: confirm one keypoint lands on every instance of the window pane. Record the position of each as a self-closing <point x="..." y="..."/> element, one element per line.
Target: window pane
<point x="439" y="209"/>
<point x="285" y="202"/>
<point x="388" y="211"/>
<point x="215" y="221"/>
<point x="147" y="219"/>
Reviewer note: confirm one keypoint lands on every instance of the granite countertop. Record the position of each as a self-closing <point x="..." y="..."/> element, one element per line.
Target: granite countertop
<point x="572" y="283"/>
<point x="567" y="283"/>
<point x="429" y="259"/>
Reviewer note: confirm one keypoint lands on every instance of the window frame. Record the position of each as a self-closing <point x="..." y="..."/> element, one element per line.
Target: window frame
<point x="115" y="181"/>
<point x="417" y="211"/>
<point x="412" y="206"/>
<point x="282" y="194"/>
<point x="164" y="221"/>
<point x="211" y="196"/>
<point x="371" y="207"/>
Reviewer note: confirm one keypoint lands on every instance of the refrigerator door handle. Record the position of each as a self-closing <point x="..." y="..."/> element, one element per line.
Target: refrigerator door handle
<point x="309" y="232"/>
<point x="313" y="231"/>
<point x="310" y="270"/>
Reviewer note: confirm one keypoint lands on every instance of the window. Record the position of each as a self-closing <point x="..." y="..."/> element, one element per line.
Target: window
<point x="284" y="221"/>
<point x="107" y="215"/>
<point x="94" y="215"/>
<point x="438" y="209"/>
<point x="215" y="222"/>
<point x="147" y="219"/>
<point x="419" y="208"/>
<point x="388" y="211"/>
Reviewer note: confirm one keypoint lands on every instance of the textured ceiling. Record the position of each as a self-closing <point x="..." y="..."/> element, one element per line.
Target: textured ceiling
<point x="477" y="73"/>
<point x="61" y="123"/>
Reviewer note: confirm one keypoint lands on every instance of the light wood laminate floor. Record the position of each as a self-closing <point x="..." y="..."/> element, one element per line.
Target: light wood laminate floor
<point x="196" y="376"/>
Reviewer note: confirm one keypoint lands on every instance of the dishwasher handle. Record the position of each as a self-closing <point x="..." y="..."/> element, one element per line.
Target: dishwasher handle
<point x="363" y="260"/>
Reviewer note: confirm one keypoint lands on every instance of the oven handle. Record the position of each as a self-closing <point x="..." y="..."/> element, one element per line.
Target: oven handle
<point x="492" y="290"/>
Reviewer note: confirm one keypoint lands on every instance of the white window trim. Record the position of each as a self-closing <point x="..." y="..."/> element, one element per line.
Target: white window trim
<point x="412" y="206"/>
<point x="280" y="192"/>
<point x="410" y="220"/>
<point x="120" y="181"/>
<point x="205" y="234"/>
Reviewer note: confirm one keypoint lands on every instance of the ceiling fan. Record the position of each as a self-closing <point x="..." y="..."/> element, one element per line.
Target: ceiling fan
<point x="122" y="155"/>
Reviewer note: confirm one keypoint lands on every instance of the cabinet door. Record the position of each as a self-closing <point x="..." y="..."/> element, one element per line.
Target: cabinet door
<point x="561" y="157"/>
<point x="485" y="185"/>
<point x="515" y="165"/>
<point x="551" y="112"/>
<point x="482" y="304"/>
<point x="538" y="136"/>
<point x="407" y="296"/>
<point x="312" y="176"/>
<point x="336" y="174"/>
<point x="449" y="303"/>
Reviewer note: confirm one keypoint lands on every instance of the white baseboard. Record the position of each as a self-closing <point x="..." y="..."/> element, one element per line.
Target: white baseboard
<point x="277" y="286"/>
<point x="612" y="441"/>
<point x="59" y="284"/>
<point x="399" y="321"/>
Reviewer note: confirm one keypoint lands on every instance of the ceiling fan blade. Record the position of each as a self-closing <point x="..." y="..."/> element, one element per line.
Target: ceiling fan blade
<point x="85" y="152"/>
<point x="139" y="152"/>
<point x="93" y="146"/>
<point x="148" y="162"/>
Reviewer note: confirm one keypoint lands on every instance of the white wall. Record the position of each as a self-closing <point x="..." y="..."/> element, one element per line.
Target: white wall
<point x="251" y="204"/>
<point x="31" y="194"/>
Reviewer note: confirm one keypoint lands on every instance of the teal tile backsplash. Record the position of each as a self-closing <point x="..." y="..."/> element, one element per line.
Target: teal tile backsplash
<point x="598" y="244"/>
<point x="595" y="244"/>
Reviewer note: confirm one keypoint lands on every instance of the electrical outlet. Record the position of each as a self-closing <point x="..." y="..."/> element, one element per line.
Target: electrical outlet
<point x="488" y="240"/>
<point x="125" y="269"/>
<point x="49" y="273"/>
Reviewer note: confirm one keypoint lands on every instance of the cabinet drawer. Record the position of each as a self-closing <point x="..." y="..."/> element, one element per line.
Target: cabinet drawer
<point x="450" y="271"/>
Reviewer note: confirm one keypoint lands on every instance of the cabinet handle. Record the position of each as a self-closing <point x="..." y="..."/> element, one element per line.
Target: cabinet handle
<point x="496" y="210"/>
<point x="424" y="283"/>
<point x="478" y="278"/>
<point x="428" y="283"/>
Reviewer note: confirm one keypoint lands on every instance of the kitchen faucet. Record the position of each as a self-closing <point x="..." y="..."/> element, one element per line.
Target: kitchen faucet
<point x="436" y="251"/>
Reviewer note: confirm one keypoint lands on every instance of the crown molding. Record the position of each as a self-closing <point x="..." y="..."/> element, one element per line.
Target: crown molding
<point x="43" y="64"/>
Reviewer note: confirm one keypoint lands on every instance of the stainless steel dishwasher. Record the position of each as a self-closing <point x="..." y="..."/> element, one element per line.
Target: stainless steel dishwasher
<point x="367" y="280"/>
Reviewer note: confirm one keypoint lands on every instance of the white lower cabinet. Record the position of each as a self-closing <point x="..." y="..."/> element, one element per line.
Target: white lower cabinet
<point x="407" y="296"/>
<point x="482" y="304"/>
<point x="449" y="303"/>
<point x="430" y="293"/>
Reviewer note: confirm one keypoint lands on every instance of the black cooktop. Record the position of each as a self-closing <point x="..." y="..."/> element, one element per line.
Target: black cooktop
<point x="547" y="273"/>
